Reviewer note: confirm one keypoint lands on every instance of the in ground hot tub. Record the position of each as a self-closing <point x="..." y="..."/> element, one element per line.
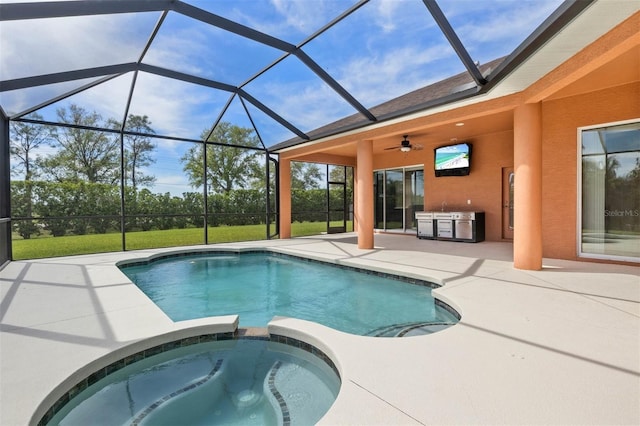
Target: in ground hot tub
<point x="232" y="382"/>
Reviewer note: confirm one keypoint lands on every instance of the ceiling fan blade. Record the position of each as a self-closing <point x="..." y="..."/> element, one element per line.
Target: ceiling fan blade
<point x="417" y="147"/>
<point x="393" y="147"/>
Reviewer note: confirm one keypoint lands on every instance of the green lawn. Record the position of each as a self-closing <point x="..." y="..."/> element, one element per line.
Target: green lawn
<point x="37" y="248"/>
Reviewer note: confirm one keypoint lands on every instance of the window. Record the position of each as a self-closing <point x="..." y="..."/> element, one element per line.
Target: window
<point x="610" y="200"/>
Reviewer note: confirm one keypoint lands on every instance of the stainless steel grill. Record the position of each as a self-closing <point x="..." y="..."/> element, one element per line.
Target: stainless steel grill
<point x="455" y="226"/>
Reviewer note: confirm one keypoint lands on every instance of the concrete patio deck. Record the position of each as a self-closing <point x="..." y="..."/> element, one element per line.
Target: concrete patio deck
<point x="556" y="346"/>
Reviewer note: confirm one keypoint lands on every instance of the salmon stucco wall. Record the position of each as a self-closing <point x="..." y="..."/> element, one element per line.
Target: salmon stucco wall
<point x="483" y="187"/>
<point x="560" y="120"/>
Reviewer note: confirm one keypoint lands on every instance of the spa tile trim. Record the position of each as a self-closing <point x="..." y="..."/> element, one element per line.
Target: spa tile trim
<point x="286" y="417"/>
<point x="307" y="348"/>
<point x="140" y="417"/>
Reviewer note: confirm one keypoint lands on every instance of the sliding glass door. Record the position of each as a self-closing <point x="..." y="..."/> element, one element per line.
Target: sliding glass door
<point x="393" y="205"/>
<point x="414" y="196"/>
<point x="610" y="200"/>
<point x="399" y="194"/>
<point x="378" y="191"/>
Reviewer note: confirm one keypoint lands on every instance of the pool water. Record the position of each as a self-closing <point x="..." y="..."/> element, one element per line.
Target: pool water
<point x="259" y="286"/>
<point x="234" y="382"/>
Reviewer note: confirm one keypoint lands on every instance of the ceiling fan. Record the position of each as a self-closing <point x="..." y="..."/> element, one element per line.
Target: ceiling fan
<point x="405" y="145"/>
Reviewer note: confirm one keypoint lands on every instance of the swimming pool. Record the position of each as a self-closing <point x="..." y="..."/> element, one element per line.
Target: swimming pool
<point x="231" y="382"/>
<point x="260" y="285"/>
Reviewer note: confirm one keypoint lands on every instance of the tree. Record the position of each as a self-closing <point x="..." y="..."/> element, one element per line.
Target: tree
<point x="305" y="176"/>
<point x="343" y="174"/>
<point x="24" y="141"/>
<point x="228" y="167"/>
<point x="138" y="149"/>
<point x="84" y="154"/>
<point x="337" y="174"/>
<point x="621" y="195"/>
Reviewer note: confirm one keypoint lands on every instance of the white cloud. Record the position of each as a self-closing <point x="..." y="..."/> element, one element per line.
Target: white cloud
<point x="386" y="16"/>
<point x="17" y="101"/>
<point x="42" y="46"/>
<point x="108" y="99"/>
<point x="290" y="20"/>
<point x="495" y="28"/>
<point x="375" y="79"/>
<point x="174" y="107"/>
<point x="184" y="44"/>
<point x="372" y="79"/>
<point x="307" y="103"/>
<point x="501" y="20"/>
<point x="320" y="105"/>
<point x="299" y="16"/>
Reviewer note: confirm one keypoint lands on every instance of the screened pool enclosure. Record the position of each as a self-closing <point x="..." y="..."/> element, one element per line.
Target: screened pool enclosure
<point x="132" y="124"/>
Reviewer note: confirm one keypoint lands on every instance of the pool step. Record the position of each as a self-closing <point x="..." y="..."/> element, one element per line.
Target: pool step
<point x="409" y="329"/>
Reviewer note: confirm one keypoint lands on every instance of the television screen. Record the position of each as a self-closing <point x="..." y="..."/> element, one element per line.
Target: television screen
<point x="453" y="160"/>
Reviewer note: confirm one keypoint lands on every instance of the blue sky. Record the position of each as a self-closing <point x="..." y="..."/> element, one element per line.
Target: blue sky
<point x="385" y="49"/>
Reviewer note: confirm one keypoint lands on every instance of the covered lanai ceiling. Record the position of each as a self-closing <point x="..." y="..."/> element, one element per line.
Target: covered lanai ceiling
<point x="287" y="69"/>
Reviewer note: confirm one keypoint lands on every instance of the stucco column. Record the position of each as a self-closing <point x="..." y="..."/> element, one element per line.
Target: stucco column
<point x="527" y="159"/>
<point x="364" y="194"/>
<point x="285" y="198"/>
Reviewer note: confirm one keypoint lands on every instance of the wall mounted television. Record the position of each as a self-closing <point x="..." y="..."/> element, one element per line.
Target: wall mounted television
<point x="453" y="160"/>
